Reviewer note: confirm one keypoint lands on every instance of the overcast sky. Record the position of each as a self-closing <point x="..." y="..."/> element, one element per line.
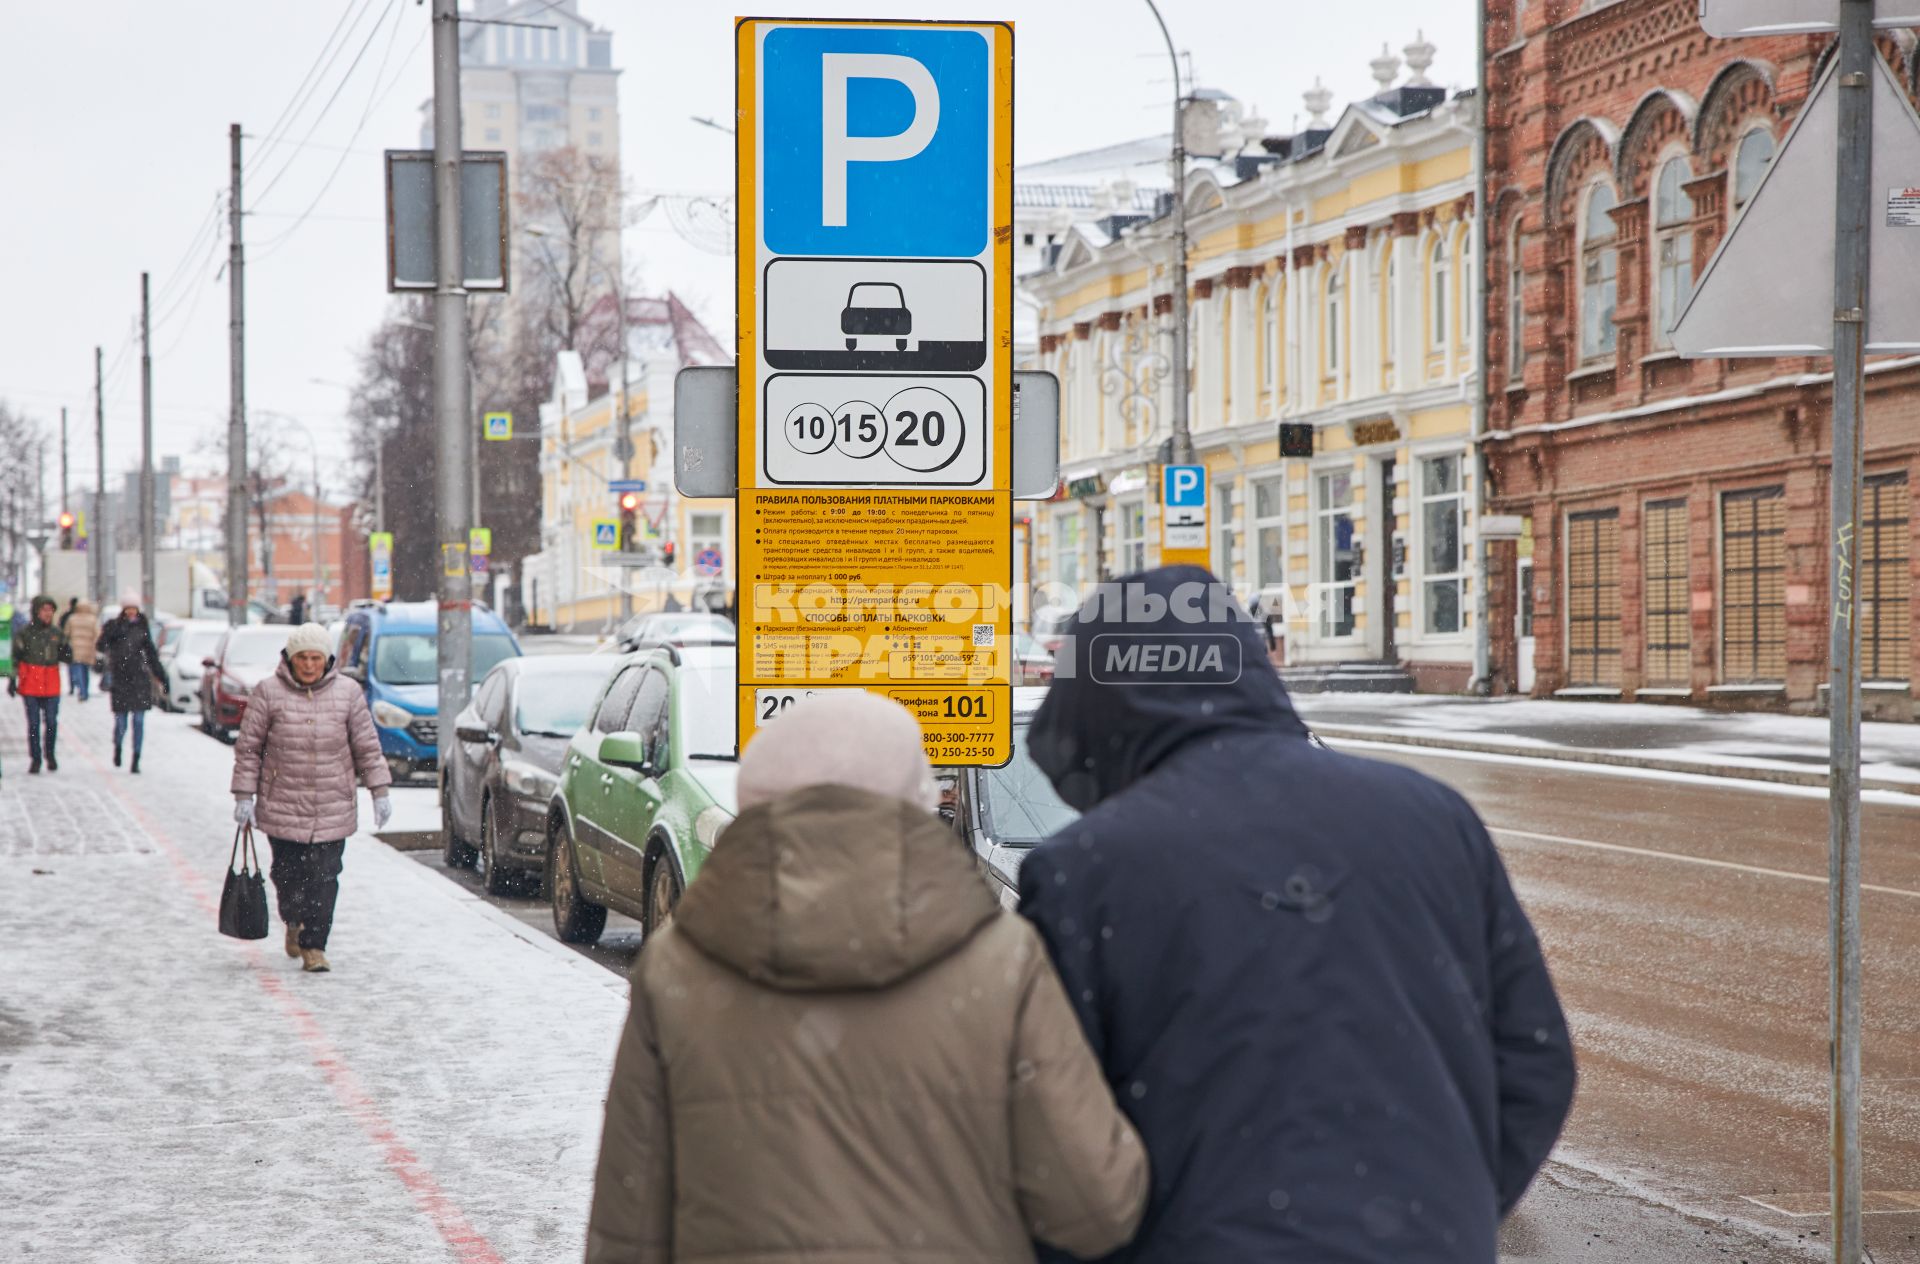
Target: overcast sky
<point x="115" y="115"/>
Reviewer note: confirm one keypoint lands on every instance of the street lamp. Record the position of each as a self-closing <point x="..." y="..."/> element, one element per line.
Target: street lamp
<point x="1182" y="435"/>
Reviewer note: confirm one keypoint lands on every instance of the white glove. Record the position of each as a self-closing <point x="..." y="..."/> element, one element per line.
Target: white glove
<point x="382" y="811"/>
<point x="243" y="811"/>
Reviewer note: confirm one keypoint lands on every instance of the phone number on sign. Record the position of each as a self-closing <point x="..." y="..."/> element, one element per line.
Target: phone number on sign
<point x="939" y="753"/>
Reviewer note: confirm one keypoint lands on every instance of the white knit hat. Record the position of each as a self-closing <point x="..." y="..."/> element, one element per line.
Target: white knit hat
<point x="309" y="637"/>
<point x="846" y="737"/>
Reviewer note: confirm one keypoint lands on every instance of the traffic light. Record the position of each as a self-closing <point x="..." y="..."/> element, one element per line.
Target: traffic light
<point x="66" y="528"/>
<point x="629" y="508"/>
<point x="666" y="554"/>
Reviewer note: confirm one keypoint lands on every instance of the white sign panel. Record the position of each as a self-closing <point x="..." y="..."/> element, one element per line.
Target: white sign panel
<point x="1730" y="19"/>
<point x="1768" y="290"/>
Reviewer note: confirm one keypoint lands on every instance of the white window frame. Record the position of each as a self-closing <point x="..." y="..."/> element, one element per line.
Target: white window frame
<point x="1439" y="324"/>
<point x="1130" y="551"/>
<point x="1390" y="301"/>
<point x="1596" y="352"/>
<point x="1062" y="551"/>
<point x="1323" y="586"/>
<point x="1228" y="542"/>
<point x="1419" y="575"/>
<point x="1516" y="306"/>
<point x="1256" y="523"/>
<point x="1677" y="233"/>
<point x="1334" y="291"/>
<point x="1757" y="127"/>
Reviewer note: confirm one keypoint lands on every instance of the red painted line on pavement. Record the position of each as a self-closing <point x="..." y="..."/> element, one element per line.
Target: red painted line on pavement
<point x="468" y="1244"/>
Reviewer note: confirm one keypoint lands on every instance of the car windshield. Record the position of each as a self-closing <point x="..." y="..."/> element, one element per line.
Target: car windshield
<point x="556" y="703"/>
<point x="1018" y="801"/>
<point x="412" y="658"/>
<point x="198" y="643"/>
<point x="683" y="627"/>
<point x="257" y="647"/>
<point x="708" y="716"/>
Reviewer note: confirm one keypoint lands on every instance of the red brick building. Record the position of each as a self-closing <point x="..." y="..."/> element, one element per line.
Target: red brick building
<point x="1677" y="509"/>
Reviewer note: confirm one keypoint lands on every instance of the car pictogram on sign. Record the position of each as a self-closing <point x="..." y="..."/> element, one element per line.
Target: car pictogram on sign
<point x="876" y="307"/>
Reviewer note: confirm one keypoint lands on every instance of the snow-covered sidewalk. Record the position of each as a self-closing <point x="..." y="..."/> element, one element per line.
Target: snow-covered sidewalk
<point x="1760" y="746"/>
<point x="170" y="1095"/>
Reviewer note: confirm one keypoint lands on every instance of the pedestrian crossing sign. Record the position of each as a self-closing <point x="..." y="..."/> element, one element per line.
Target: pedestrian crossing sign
<point x="606" y="534"/>
<point x="499" y="425"/>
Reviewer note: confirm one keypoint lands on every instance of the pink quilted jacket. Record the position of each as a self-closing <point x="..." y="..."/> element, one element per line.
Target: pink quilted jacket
<point x="300" y="747"/>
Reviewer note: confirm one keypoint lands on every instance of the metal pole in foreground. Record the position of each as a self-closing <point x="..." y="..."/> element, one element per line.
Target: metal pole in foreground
<point x="99" y="538"/>
<point x="237" y="398"/>
<point x="147" y="593"/>
<point x="1182" y="433"/>
<point x="450" y="385"/>
<point x="1851" y="259"/>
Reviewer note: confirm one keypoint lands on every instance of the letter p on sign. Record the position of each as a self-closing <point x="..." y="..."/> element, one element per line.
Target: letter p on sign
<point x="837" y="148"/>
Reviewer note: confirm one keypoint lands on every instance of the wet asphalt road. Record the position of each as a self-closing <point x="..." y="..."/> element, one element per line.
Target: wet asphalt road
<point x="1686" y="927"/>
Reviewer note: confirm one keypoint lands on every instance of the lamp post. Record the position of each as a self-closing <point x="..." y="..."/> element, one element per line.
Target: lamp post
<point x="1182" y="434"/>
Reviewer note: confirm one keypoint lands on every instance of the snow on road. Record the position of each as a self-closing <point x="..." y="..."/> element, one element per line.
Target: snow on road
<point x="170" y="1095"/>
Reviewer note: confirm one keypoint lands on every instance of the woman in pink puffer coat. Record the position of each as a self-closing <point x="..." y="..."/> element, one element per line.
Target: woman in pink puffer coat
<point x="305" y="737"/>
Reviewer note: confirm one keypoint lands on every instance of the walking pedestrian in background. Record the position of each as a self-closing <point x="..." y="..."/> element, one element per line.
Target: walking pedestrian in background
<point x="843" y="1048"/>
<point x="39" y="649"/>
<point x="1306" y="974"/>
<point x="83" y="634"/>
<point x="305" y="739"/>
<point x="133" y="668"/>
<point x="297" y="609"/>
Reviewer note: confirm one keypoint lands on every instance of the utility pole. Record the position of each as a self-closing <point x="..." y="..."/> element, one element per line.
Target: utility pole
<point x="146" y="453"/>
<point x="99" y="532"/>
<point x="379" y="482"/>
<point x="1182" y="433"/>
<point x="451" y="387"/>
<point x="1851" y="260"/>
<point x="237" y="396"/>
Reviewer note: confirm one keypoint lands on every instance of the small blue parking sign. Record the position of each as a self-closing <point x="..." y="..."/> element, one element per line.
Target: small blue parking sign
<point x="879" y="144"/>
<point x="1185" y="486"/>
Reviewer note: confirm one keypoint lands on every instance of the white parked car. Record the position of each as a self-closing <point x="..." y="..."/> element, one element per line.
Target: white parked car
<point x="188" y="643"/>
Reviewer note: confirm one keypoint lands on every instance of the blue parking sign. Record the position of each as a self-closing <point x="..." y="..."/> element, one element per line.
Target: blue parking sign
<point x="1184" y="486"/>
<point x="877" y="141"/>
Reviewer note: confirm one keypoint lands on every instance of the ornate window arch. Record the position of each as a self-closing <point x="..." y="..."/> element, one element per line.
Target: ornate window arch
<point x="1439" y="270"/>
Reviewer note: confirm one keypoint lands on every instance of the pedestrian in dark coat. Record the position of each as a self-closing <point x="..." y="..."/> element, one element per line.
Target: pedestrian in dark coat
<point x="132" y="669"/>
<point x="1305" y="973"/>
<point x="38" y="651"/>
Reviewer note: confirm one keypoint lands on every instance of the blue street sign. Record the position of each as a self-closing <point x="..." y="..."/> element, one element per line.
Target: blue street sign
<point x="1184" y="486"/>
<point x="626" y="484"/>
<point x="877" y="141"/>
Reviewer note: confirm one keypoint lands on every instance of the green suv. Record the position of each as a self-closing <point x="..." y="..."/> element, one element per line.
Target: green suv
<point x="644" y="790"/>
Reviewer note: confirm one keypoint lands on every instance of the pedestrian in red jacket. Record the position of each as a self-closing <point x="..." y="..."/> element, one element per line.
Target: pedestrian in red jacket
<point x="38" y="653"/>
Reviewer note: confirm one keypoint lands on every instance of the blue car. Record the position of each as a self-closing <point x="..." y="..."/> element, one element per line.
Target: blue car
<point x="393" y="650"/>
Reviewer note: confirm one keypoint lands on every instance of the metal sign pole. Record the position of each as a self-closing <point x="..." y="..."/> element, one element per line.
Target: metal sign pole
<point x="453" y="418"/>
<point x="1850" y="282"/>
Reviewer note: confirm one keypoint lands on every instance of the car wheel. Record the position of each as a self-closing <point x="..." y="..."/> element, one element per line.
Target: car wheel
<point x="496" y="879"/>
<point x="453" y="849"/>
<point x="663" y="892"/>
<point x="576" y="919"/>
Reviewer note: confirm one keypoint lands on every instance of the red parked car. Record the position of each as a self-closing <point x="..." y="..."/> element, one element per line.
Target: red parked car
<point x="244" y="658"/>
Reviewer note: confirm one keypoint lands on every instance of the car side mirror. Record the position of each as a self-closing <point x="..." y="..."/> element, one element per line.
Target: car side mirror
<point x="626" y="750"/>
<point x="475" y="733"/>
<point x="206" y="662"/>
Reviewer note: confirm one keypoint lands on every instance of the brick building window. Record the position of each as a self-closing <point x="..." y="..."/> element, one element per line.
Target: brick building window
<point x="1883" y="582"/>
<point x="1753" y="585"/>
<point x="1750" y="164"/>
<point x="1516" y="307"/>
<point x="1673" y="248"/>
<point x="1593" y="598"/>
<point x="1600" y="275"/>
<point x="1669" y="620"/>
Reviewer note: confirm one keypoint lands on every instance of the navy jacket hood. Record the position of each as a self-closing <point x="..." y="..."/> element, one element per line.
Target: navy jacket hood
<point x="1150" y="663"/>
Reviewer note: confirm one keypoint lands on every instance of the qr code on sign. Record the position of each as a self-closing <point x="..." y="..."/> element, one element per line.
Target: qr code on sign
<point x="982" y="635"/>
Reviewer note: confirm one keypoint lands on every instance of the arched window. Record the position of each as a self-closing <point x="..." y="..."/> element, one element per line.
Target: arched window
<point x="1750" y="164"/>
<point x="1599" y="273"/>
<point x="1469" y="287"/>
<point x="1437" y="265"/>
<point x="1335" y="330"/>
<point x="1673" y="248"/>
<point x="1391" y="302"/>
<point x="1516" y="306"/>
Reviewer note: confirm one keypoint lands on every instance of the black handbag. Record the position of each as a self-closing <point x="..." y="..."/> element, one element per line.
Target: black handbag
<point x="243" y="903"/>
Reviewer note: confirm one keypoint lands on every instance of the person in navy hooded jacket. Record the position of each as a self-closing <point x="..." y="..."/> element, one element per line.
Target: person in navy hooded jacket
<point x="1305" y="973"/>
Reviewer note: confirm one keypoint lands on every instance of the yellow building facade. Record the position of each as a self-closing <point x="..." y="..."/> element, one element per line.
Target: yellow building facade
<point x="573" y="585"/>
<point x="1330" y="287"/>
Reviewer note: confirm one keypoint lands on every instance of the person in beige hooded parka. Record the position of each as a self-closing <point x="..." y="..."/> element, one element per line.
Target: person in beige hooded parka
<point x="842" y="1050"/>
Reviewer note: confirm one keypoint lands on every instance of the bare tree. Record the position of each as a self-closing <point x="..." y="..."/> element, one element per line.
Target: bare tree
<point x="22" y="449"/>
